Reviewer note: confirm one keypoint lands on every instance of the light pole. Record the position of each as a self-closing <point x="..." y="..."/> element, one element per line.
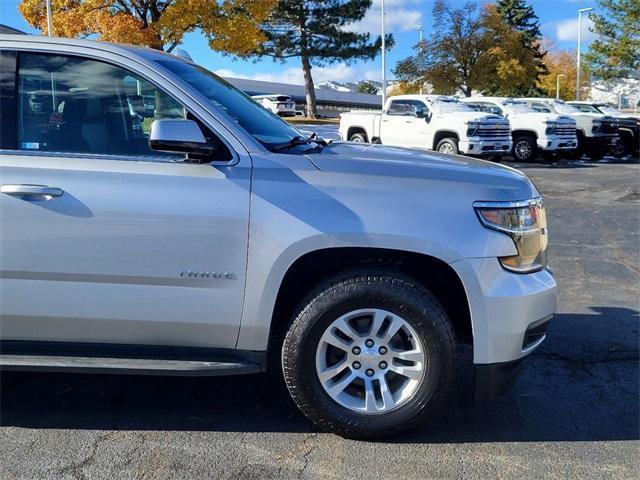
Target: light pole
<point x="558" y="84"/>
<point x="420" y="47"/>
<point x="580" y="12"/>
<point x="49" y="19"/>
<point x="384" y="66"/>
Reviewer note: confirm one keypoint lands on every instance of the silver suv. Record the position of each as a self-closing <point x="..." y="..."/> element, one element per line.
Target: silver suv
<point x="156" y="220"/>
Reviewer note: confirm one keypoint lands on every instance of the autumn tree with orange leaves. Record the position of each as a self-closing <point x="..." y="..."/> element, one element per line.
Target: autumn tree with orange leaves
<point x="230" y="26"/>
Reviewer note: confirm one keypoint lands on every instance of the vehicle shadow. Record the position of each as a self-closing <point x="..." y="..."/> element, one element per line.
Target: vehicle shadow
<point x="581" y="386"/>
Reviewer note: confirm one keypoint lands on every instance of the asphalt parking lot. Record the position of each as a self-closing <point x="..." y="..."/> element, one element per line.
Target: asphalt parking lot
<point x="573" y="413"/>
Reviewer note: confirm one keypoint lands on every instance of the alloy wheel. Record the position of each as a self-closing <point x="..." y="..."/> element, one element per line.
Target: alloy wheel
<point x="523" y="150"/>
<point x="370" y="361"/>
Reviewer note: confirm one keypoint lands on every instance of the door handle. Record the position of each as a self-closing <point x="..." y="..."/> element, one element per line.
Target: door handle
<point x="31" y="191"/>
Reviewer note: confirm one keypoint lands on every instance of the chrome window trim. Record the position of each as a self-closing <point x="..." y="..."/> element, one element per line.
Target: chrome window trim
<point x="120" y="158"/>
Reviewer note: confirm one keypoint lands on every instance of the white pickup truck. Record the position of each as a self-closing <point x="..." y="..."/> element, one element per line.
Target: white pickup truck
<point x="532" y="131"/>
<point x="433" y="122"/>
<point x="596" y="133"/>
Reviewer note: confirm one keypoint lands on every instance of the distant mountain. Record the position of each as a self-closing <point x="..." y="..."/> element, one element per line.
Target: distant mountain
<point x="623" y="90"/>
<point x="345" y="86"/>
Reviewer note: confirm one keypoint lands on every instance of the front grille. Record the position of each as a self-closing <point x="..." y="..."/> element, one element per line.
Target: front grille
<point x="565" y="131"/>
<point x="609" y="127"/>
<point x="493" y="132"/>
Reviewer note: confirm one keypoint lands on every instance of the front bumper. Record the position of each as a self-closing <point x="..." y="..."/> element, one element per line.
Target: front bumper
<point x="557" y="143"/>
<point x="603" y="141"/>
<point x="485" y="147"/>
<point x="493" y="380"/>
<point x="509" y="315"/>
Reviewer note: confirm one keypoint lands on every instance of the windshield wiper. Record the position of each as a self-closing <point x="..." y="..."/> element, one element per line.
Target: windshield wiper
<point x="297" y="140"/>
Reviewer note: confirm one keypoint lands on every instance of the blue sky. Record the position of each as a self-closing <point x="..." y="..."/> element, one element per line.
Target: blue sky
<point x="558" y="20"/>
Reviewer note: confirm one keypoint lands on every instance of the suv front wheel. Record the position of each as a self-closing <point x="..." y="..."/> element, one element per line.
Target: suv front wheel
<point x="369" y="355"/>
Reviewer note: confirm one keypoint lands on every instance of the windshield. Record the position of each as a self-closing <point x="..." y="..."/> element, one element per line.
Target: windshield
<point x="517" y="108"/>
<point x="606" y="109"/>
<point x="446" y="106"/>
<point x="565" y="108"/>
<point x="264" y="126"/>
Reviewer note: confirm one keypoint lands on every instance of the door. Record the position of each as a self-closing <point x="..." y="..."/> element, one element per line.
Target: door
<point x="103" y="240"/>
<point x="404" y="124"/>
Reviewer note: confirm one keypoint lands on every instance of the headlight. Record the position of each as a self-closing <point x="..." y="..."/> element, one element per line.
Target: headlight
<point x="472" y="128"/>
<point x="526" y="223"/>
<point x="551" y="126"/>
<point x="595" y="126"/>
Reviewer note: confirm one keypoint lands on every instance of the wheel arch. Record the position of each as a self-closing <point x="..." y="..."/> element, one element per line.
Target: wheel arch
<point x="357" y="129"/>
<point x="310" y="269"/>
<point x="441" y="134"/>
<point x="523" y="132"/>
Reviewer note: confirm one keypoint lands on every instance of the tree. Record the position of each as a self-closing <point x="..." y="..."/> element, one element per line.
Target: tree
<point x="510" y="65"/>
<point x="314" y="31"/>
<point x="523" y="19"/>
<point x="562" y="62"/>
<point x="616" y="51"/>
<point x="367" y="87"/>
<point x="230" y="25"/>
<point x="451" y="58"/>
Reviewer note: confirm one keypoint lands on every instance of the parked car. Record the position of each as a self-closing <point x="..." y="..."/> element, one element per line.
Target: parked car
<point x="629" y="127"/>
<point x="282" y="105"/>
<point x="431" y="122"/>
<point x="224" y="242"/>
<point x="596" y="133"/>
<point x="532" y="132"/>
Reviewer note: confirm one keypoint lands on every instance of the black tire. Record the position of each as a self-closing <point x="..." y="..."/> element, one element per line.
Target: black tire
<point x="449" y="145"/>
<point x="524" y="148"/>
<point x="358" y="137"/>
<point x="623" y="148"/>
<point x="355" y="289"/>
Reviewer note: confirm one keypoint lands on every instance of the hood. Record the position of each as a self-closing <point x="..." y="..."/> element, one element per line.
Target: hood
<point x="543" y="117"/>
<point x="497" y="182"/>
<point x="474" y="117"/>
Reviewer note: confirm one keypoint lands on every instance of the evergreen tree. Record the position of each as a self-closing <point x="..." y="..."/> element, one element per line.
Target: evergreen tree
<point x="616" y="52"/>
<point x="524" y="20"/>
<point x="314" y="31"/>
<point x="367" y="87"/>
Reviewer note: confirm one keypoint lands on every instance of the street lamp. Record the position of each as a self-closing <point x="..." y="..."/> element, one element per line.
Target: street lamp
<point x="49" y="19"/>
<point x="558" y="84"/>
<point x="580" y="12"/>
<point x="420" y="47"/>
<point x="384" y="66"/>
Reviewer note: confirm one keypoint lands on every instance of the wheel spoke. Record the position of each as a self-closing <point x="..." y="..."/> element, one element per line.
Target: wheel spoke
<point x="330" y="372"/>
<point x="331" y="338"/>
<point x="345" y="327"/>
<point x="387" y="396"/>
<point x="370" y="398"/>
<point x="408" y="355"/>
<point x="376" y="323"/>
<point x="413" y="373"/>
<point x="394" y="326"/>
<point x="337" y="387"/>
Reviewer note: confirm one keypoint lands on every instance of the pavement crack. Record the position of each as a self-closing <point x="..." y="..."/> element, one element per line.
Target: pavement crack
<point x="308" y="449"/>
<point x="75" y="469"/>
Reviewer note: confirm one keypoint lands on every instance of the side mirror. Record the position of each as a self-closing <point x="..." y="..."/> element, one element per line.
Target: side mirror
<point x="181" y="136"/>
<point x="427" y="117"/>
